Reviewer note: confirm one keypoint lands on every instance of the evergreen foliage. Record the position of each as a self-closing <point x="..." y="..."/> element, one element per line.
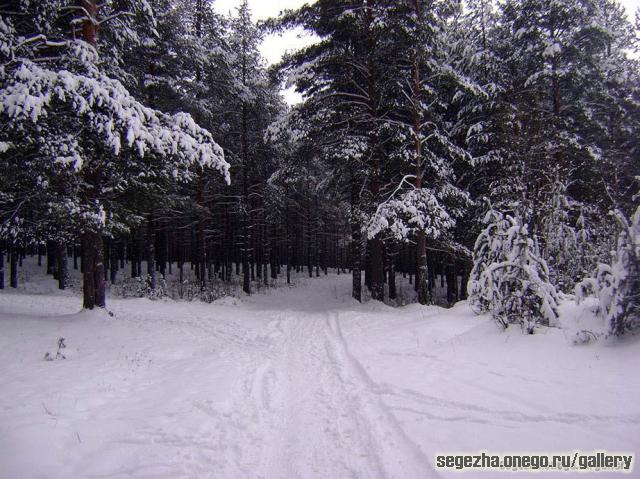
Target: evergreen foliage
<point x="153" y="132"/>
<point x="509" y="278"/>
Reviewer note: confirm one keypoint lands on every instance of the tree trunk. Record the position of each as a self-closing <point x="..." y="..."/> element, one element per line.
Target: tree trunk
<point x="391" y="270"/>
<point x="63" y="271"/>
<point x="181" y="262"/>
<point x="465" y="280"/>
<point x="2" y="253"/>
<point x="133" y="255"/>
<point x="90" y="25"/>
<point x="202" y="255"/>
<point x="422" y="276"/>
<point x="287" y="232"/>
<point x="247" y="256"/>
<point x="93" y="276"/>
<point x="164" y="251"/>
<point x="265" y="273"/>
<point x="377" y="268"/>
<point x="13" y="266"/>
<point x="51" y="258"/>
<point x="113" y="263"/>
<point x="356" y="261"/>
<point x="375" y="258"/>
<point x="151" y="258"/>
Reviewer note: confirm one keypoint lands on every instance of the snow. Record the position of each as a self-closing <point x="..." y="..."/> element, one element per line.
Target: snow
<point x="110" y="112"/>
<point x="302" y="382"/>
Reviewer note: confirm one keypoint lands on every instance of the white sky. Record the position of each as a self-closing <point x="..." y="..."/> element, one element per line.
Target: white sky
<point x="275" y="46"/>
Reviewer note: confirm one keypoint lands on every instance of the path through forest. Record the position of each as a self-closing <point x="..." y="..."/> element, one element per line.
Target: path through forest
<point x="320" y="410"/>
<point x="305" y="407"/>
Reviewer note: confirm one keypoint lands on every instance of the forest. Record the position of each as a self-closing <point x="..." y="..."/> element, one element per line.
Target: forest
<point x="429" y="254"/>
<point x="491" y="146"/>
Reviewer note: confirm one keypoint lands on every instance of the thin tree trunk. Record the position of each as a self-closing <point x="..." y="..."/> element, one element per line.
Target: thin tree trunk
<point x="2" y="253"/>
<point x="376" y="258"/>
<point x="391" y="270"/>
<point x="422" y="274"/>
<point x="93" y="276"/>
<point x="51" y="258"/>
<point x="113" y="263"/>
<point x="133" y="255"/>
<point x="247" y="257"/>
<point x="356" y="253"/>
<point x="422" y="277"/>
<point x="356" y="261"/>
<point x="63" y="272"/>
<point x="13" y="266"/>
<point x="289" y="251"/>
<point x="181" y="262"/>
<point x="151" y="258"/>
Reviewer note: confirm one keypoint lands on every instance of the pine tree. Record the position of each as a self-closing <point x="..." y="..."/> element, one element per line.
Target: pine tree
<point x="51" y="88"/>
<point x="426" y="200"/>
<point x="340" y="79"/>
<point x="253" y="106"/>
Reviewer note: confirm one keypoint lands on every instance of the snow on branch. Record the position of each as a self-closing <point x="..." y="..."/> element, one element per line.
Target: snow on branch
<point x="36" y="95"/>
<point x="415" y="210"/>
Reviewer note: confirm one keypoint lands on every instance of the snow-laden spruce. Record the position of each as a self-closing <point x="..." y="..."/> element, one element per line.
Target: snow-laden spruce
<point x="509" y="278"/>
<point x="617" y="286"/>
<point x="59" y="103"/>
<point x="77" y="145"/>
<point x="68" y="121"/>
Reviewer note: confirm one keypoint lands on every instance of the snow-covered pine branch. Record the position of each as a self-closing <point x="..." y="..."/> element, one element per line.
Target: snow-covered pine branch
<point x="413" y="210"/>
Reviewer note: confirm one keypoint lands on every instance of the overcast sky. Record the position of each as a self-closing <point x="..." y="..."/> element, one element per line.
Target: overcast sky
<point x="274" y="47"/>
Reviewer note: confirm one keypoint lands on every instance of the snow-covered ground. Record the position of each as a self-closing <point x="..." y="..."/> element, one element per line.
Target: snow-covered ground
<point x="299" y="383"/>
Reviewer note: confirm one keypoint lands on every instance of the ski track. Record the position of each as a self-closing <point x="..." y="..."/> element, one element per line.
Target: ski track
<point x="302" y="407"/>
<point x="305" y="408"/>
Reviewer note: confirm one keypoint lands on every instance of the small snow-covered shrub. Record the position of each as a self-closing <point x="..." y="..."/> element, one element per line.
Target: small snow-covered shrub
<point x="140" y="287"/>
<point x="584" y="337"/>
<point x="488" y="249"/>
<point x="617" y="286"/>
<point x="509" y="278"/>
<point x="192" y="290"/>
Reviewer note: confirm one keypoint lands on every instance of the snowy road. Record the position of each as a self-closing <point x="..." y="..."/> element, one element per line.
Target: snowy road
<point x="302" y="383"/>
